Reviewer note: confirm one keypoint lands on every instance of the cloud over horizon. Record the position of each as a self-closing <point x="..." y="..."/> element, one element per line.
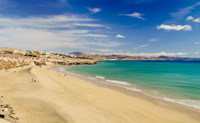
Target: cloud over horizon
<point x="44" y="32"/>
<point x="156" y="54"/>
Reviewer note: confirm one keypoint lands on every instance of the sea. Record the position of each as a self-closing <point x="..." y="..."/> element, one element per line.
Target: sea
<point x="174" y="81"/>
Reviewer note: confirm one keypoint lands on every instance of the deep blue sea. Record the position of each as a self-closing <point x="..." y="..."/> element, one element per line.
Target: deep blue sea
<point x="173" y="81"/>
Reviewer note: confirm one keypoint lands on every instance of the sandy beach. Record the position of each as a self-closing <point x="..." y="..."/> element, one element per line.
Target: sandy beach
<point x="43" y="95"/>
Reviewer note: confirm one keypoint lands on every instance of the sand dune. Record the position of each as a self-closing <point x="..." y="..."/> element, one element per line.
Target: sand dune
<point x="55" y="98"/>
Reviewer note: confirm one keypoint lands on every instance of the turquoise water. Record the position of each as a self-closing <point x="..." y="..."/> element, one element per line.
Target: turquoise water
<point x="173" y="81"/>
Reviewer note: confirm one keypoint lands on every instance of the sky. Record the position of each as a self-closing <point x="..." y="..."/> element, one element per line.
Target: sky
<point x="130" y="27"/>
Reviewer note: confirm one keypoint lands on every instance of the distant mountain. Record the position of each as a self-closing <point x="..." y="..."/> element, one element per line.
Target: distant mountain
<point x="179" y="58"/>
<point x="77" y="53"/>
<point x="126" y="57"/>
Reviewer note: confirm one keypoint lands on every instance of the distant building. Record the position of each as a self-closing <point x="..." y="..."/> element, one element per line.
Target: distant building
<point x="72" y="56"/>
<point x="30" y="53"/>
<point x="47" y="53"/>
<point x="37" y="53"/>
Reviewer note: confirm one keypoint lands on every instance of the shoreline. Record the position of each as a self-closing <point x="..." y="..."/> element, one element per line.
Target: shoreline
<point x="164" y="95"/>
<point x="55" y="97"/>
<point x="139" y="94"/>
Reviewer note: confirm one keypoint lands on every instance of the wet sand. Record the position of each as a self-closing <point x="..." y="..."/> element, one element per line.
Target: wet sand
<point x="42" y="95"/>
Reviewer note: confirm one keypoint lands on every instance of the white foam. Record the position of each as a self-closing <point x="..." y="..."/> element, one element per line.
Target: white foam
<point x="118" y="82"/>
<point x="91" y="77"/>
<point x="100" y="77"/>
<point x="133" y="89"/>
<point x="61" y="69"/>
<point x="187" y="102"/>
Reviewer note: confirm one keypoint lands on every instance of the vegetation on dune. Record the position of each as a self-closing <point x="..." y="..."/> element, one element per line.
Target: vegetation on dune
<point x="8" y="64"/>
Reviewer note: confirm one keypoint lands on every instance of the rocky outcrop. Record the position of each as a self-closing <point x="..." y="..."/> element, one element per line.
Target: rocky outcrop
<point x="6" y="50"/>
<point x="12" y="58"/>
<point x="75" y="62"/>
<point x="39" y="63"/>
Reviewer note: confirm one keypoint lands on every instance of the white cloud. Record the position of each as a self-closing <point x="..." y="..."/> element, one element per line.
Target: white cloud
<point x="45" y="32"/>
<point x="193" y="19"/>
<point x="197" y="20"/>
<point x="135" y="15"/>
<point x="54" y="21"/>
<point x="94" y="35"/>
<point x="106" y="44"/>
<point x="197" y="42"/>
<point x="181" y="13"/>
<point x="94" y="10"/>
<point x="175" y="27"/>
<point x="106" y="50"/>
<point x="197" y="53"/>
<point x="110" y="51"/>
<point x="120" y="36"/>
<point x="189" y="18"/>
<point x="141" y="46"/>
<point x="161" y="53"/>
<point x="89" y="25"/>
<point x="153" y="54"/>
<point x="154" y="40"/>
<point x="37" y="39"/>
<point x="43" y="39"/>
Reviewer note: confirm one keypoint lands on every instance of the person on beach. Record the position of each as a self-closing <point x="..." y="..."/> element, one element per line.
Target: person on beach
<point x="33" y="80"/>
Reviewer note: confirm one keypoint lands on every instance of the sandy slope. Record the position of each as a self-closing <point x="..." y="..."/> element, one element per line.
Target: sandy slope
<point x="56" y="98"/>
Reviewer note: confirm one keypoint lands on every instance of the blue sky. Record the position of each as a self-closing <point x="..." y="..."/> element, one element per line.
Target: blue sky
<point x="132" y="27"/>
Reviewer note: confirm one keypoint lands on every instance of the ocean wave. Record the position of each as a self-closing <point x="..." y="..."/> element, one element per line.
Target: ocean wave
<point x="91" y="77"/>
<point x="118" y="82"/>
<point x="61" y="69"/>
<point x="100" y="77"/>
<point x="187" y="102"/>
<point x="134" y="89"/>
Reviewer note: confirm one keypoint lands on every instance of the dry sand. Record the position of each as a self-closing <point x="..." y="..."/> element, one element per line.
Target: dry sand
<point x="55" y="98"/>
